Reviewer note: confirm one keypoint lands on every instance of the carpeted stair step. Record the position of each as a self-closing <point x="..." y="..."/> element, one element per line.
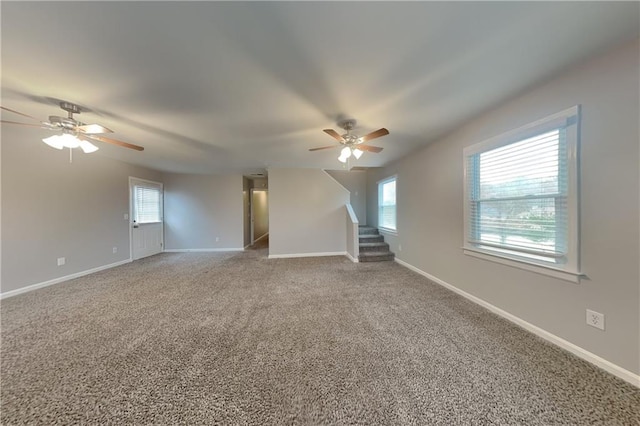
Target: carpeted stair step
<point x="367" y="230"/>
<point x="371" y="238"/>
<point x="376" y="256"/>
<point x="372" y="245"/>
<point x="375" y="247"/>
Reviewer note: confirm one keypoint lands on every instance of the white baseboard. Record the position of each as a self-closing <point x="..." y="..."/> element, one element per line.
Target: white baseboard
<point x="594" y="359"/>
<point x="351" y="258"/>
<point x="203" y="250"/>
<point x="286" y="256"/>
<point x="60" y="279"/>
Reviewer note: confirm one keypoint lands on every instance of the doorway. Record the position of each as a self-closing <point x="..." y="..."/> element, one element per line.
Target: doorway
<point x="259" y="214"/>
<point x="146" y="217"/>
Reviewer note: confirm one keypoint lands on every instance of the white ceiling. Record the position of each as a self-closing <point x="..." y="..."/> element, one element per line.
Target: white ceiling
<point x="212" y="87"/>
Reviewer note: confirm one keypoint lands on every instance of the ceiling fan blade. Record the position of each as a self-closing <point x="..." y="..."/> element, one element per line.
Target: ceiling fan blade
<point x="111" y="141"/>
<point x="42" y="126"/>
<point x="93" y="129"/>
<point x="334" y="134"/>
<point x="369" y="148"/>
<point x="19" y="113"/>
<point x="324" y="147"/>
<point x="376" y="134"/>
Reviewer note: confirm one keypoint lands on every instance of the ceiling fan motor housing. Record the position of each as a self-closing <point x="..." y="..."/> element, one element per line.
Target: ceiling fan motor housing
<point x="349" y="139"/>
<point x="65" y="123"/>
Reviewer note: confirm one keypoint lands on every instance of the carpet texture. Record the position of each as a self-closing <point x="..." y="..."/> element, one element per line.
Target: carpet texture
<point x="235" y="338"/>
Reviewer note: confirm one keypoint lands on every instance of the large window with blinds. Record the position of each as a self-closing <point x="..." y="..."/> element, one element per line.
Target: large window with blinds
<point x="521" y="194"/>
<point x="147" y="200"/>
<point x="387" y="204"/>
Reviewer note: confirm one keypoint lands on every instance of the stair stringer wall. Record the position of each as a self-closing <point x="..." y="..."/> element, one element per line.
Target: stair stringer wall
<point x="306" y="213"/>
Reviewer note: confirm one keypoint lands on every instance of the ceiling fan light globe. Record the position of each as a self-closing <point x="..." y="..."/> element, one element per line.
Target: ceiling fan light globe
<point x="342" y="159"/>
<point x="54" y="141"/>
<point x="357" y="153"/>
<point x="346" y="152"/>
<point x="87" y="147"/>
<point x="69" y="141"/>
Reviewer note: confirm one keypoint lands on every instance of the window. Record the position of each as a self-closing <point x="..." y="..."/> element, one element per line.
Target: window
<point x="387" y="204"/>
<point x="521" y="196"/>
<point x="147" y="203"/>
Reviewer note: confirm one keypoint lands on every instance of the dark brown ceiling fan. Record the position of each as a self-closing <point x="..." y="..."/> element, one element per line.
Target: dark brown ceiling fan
<point x="353" y="144"/>
<point x="75" y="134"/>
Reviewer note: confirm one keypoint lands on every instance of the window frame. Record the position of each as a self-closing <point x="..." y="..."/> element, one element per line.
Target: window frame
<point x="380" y="183"/>
<point x="156" y="186"/>
<point x="568" y="119"/>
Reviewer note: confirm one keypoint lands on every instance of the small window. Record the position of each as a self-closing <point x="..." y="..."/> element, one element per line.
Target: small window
<point x="521" y="194"/>
<point x="387" y="204"/>
<point x="147" y="204"/>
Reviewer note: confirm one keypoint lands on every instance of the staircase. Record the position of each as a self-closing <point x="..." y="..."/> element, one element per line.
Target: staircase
<point x="372" y="246"/>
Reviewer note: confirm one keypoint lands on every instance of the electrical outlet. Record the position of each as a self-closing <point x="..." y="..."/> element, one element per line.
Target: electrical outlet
<point x="61" y="261"/>
<point x="399" y="247"/>
<point x="126" y="216"/>
<point x="115" y="250"/>
<point x="595" y="319"/>
<point x="217" y="239"/>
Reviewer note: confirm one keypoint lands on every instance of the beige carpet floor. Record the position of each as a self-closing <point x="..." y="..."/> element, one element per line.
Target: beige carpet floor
<point x="235" y="338"/>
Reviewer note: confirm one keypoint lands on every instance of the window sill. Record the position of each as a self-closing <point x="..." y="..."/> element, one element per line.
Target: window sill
<point x="388" y="231"/>
<point x="573" y="277"/>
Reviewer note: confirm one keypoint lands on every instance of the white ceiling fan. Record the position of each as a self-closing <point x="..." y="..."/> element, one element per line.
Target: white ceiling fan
<point x="353" y="144"/>
<point x="73" y="133"/>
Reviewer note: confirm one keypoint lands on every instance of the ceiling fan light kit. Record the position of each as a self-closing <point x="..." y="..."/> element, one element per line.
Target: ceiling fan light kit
<point x="353" y="144"/>
<point x="348" y="152"/>
<point x="67" y="140"/>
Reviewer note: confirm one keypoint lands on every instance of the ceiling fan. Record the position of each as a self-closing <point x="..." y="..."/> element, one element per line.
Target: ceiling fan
<point x="353" y="144"/>
<point x="75" y="134"/>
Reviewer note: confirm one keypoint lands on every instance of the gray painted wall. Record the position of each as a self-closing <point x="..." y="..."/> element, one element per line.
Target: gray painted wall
<point x="356" y="182"/>
<point x="260" y="183"/>
<point x="430" y="210"/>
<point x="203" y="211"/>
<point x="52" y="208"/>
<point x="306" y="212"/>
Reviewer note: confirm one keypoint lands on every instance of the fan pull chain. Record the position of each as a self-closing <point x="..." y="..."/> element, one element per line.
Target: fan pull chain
<point x="70" y="155"/>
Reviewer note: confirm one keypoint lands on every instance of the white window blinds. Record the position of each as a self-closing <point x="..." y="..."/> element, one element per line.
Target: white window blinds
<point x="148" y="204"/>
<point x="521" y="194"/>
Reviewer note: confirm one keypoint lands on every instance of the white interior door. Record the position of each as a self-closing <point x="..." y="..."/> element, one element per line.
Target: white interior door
<point x="147" y="227"/>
